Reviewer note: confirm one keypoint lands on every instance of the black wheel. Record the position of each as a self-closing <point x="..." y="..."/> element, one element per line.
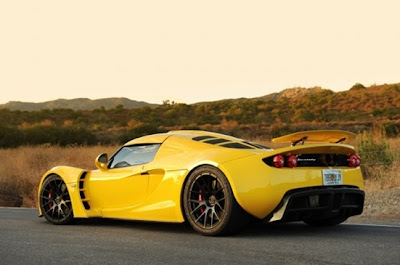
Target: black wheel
<point x="209" y="205"/>
<point x="326" y="222"/>
<point x="55" y="201"/>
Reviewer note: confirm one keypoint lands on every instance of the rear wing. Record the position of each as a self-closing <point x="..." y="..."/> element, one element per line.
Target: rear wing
<point x="317" y="136"/>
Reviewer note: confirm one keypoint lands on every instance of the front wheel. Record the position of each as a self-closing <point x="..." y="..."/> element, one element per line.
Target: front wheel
<point x="209" y="205"/>
<point x="55" y="201"/>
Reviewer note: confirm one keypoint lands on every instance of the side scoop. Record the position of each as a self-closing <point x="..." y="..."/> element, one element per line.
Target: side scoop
<point x="320" y="136"/>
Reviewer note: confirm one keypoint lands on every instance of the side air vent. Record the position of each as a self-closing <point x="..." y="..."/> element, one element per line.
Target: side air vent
<point x="86" y="205"/>
<point x="216" y="141"/>
<point x="237" y="146"/>
<point x="201" y="138"/>
<point x="225" y="142"/>
<point x="258" y="146"/>
<point x="83" y="192"/>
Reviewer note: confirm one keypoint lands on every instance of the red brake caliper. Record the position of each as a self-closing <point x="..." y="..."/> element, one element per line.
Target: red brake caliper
<point x="202" y="208"/>
<point x="50" y="194"/>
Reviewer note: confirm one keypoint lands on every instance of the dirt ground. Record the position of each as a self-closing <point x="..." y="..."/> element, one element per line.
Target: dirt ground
<point x="381" y="207"/>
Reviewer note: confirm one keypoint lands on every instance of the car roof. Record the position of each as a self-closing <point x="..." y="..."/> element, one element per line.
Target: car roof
<point x="149" y="139"/>
<point x="197" y="135"/>
<point x="161" y="137"/>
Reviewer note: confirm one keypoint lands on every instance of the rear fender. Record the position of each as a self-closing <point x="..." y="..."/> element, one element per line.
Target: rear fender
<point x="258" y="188"/>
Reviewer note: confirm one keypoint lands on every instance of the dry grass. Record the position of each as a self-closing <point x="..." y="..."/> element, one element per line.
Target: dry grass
<point x="386" y="177"/>
<point x="22" y="168"/>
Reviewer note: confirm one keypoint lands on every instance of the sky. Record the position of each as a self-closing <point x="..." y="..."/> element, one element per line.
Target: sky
<point x="191" y="51"/>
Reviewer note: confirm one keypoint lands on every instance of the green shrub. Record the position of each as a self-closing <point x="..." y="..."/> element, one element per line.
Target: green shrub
<point x="59" y="136"/>
<point x="10" y="137"/>
<point x="357" y="86"/>
<point x="138" y="132"/>
<point x="375" y="154"/>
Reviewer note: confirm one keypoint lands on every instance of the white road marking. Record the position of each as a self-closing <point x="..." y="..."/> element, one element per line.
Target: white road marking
<point x="376" y="225"/>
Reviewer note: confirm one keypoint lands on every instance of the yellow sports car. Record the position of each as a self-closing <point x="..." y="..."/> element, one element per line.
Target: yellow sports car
<point x="215" y="182"/>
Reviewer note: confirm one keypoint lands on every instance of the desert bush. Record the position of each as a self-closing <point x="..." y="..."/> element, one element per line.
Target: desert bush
<point x="59" y="136"/>
<point x="21" y="168"/>
<point x="391" y="129"/>
<point x="376" y="155"/>
<point x="139" y="131"/>
<point x="10" y="137"/>
<point x="357" y="86"/>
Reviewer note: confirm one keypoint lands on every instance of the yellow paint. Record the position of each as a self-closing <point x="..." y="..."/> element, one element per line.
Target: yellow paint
<point x="153" y="191"/>
<point x="330" y="136"/>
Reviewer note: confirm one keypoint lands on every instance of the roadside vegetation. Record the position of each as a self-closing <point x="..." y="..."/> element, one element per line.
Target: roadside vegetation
<point x="358" y="109"/>
<point x="21" y="168"/>
<point x="380" y="160"/>
<point x="33" y="142"/>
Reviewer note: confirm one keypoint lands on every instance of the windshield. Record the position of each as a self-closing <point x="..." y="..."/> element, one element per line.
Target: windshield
<point x="134" y="155"/>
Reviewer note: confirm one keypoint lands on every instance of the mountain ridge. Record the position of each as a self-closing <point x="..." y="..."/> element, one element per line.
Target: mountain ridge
<point x="357" y="110"/>
<point x="295" y="94"/>
<point x="108" y="103"/>
<point x="76" y="104"/>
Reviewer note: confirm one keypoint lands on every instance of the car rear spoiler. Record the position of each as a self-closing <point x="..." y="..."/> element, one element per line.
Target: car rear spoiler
<point x="319" y="136"/>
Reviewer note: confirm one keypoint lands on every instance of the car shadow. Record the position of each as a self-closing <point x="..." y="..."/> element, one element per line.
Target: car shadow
<point x="286" y="229"/>
<point x="251" y="230"/>
<point x="133" y="224"/>
<point x="275" y="229"/>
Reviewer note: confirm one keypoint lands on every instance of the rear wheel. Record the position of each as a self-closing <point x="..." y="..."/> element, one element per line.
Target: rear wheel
<point x="55" y="201"/>
<point x="209" y="205"/>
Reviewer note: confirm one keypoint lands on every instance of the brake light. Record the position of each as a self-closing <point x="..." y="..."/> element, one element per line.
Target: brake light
<point x="292" y="161"/>
<point x="279" y="161"/>
<point x="354" y="161"/>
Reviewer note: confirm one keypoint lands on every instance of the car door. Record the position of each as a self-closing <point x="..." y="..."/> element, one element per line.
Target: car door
<point x="125" y="183"/>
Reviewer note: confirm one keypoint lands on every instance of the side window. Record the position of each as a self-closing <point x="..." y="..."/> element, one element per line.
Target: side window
<point x="134" y="155"/>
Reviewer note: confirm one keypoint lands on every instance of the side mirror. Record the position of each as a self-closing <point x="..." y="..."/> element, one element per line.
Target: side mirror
<point x="101" y="162"/>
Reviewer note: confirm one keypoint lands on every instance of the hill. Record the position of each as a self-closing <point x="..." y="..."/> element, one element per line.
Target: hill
<point x="358" y="103"/>
<point x="76" y="104"/>
<point x="358" y="109"/>
<point x="295" y="92"/>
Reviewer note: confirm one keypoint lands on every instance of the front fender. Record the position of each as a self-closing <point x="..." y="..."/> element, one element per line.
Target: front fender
<point x="70" y="175"/>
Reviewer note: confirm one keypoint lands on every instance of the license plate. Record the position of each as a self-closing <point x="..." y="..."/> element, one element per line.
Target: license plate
<point x="332" y="177"/>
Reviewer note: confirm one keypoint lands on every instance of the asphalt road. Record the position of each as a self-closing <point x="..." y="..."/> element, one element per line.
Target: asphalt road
<point x="27" y="239"/>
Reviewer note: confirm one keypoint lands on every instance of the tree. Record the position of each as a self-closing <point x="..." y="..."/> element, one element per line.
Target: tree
<point x="357" y="86"/>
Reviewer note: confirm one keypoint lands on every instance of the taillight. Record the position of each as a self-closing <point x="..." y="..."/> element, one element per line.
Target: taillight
<point x="279" y="161"/>
<point x="292" y="161"/>
<point x="354" y="161"/>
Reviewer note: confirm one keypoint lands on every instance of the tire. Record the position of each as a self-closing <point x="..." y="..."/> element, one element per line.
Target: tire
<point x="209" y="205"/>
<point x="326" y="222"/>
<point x="55" y="202"/>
